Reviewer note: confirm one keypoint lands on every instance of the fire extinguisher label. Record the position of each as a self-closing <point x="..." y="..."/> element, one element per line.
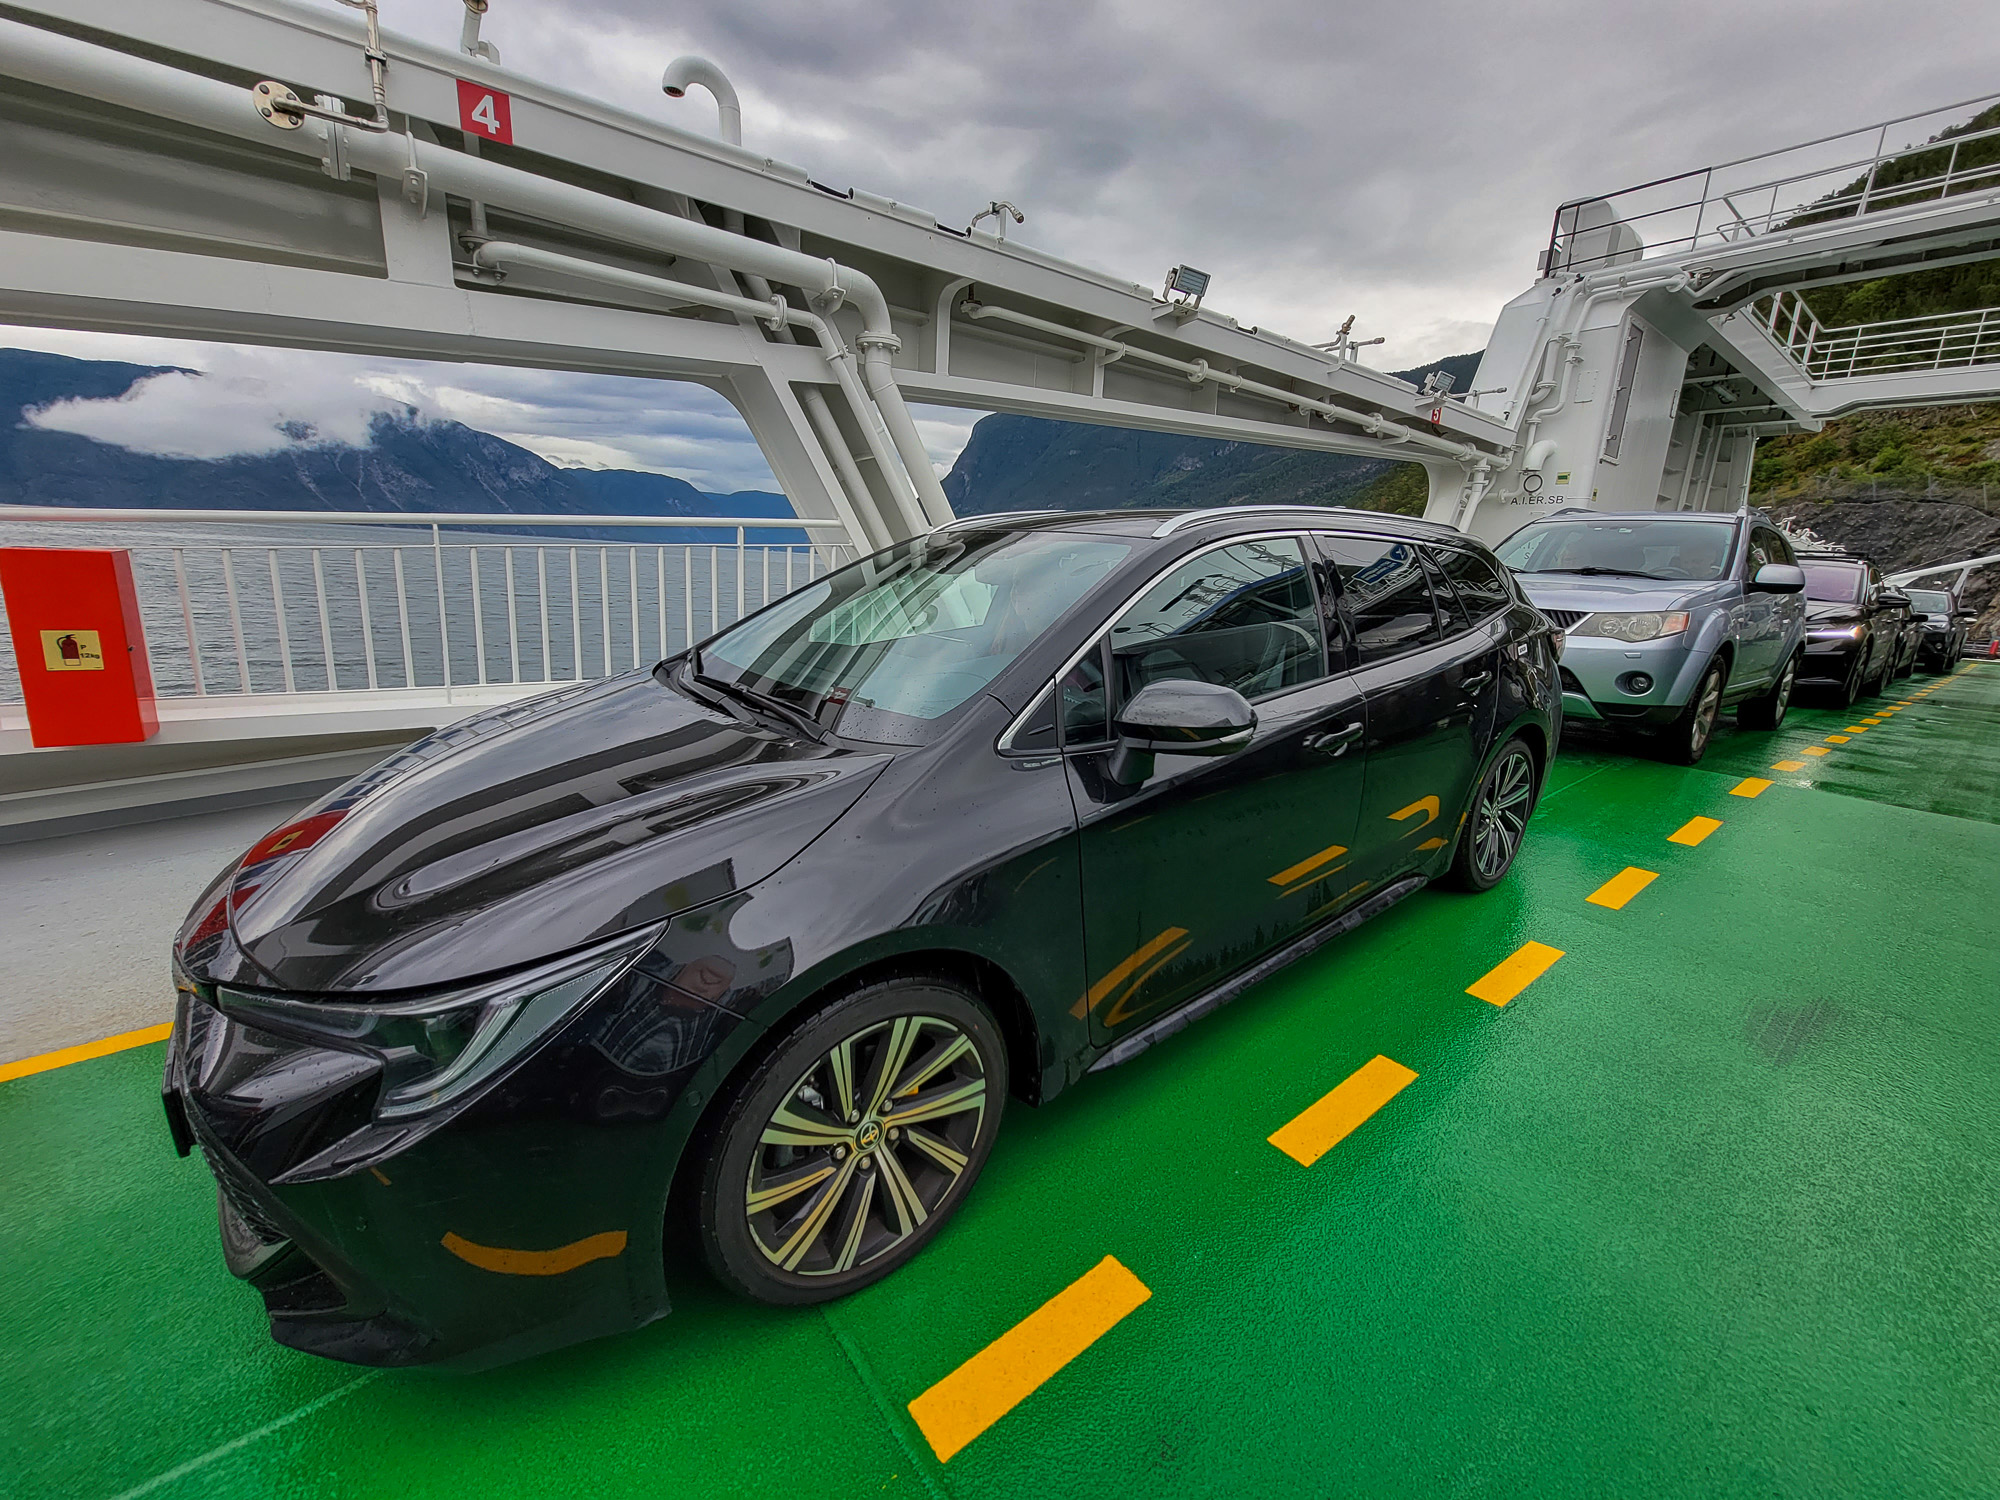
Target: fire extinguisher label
<point x="72" y="651"/>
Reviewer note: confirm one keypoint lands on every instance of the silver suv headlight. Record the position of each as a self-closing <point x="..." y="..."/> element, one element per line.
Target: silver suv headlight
<point x="1647" y="626"/>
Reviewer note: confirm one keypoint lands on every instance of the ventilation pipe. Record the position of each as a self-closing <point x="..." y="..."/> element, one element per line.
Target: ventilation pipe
<point x="684" y="73"/>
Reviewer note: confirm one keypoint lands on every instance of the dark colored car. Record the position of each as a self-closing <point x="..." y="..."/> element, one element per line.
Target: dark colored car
<point x="1945" y="623"/>
<point x="1860" y="630"/>
<point x="757" y="943"/>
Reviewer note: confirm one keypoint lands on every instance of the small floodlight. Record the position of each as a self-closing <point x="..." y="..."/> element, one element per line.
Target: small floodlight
<point x="1187" y="285"/>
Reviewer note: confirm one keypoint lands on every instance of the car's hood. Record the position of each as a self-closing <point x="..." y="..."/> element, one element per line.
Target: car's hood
<point x="1587" y="595"/>
<point x="518" y="835"/>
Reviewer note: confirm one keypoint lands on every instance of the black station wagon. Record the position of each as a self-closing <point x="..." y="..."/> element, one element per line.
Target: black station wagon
<point x="757" y="943"/>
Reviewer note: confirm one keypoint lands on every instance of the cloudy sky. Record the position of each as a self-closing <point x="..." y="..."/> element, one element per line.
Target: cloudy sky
<point x="1394" y="161"/>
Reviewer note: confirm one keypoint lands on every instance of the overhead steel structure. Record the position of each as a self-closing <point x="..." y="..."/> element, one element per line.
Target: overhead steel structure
<point x="194" y="168"/>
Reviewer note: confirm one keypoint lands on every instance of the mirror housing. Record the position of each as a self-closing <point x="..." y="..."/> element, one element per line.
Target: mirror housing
<point x="1179" y="718"/>
<point x="1779" y="578"/>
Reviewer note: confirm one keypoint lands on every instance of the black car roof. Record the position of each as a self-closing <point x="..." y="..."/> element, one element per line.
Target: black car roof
<point x="1217" y="521"/>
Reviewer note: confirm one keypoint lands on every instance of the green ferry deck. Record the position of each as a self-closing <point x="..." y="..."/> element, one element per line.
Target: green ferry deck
<point x="1706" y="1205"/>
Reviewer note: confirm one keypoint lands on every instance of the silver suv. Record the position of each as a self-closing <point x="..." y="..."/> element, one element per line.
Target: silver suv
<point x="1668" y="618"/>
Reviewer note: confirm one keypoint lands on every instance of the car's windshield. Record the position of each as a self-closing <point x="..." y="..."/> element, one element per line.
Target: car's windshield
<point x="1697" y="550"/>
<point x="1834" y="583"/>
<point x="901" y="638"/>
<point x="1930" y="602"/>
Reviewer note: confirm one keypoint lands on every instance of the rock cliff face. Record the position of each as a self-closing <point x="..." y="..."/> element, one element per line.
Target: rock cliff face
<point x="1907" y="531"/>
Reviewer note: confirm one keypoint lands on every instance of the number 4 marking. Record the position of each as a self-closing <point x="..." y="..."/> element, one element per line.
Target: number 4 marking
<point x="485" y="113"/>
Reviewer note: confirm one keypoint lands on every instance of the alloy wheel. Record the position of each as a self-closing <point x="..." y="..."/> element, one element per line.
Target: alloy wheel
<point x="1501" y="817"/>
<point x="1785" y="685"/>
<point x="1705" y="712"/>
<point x="865" y="1146"/>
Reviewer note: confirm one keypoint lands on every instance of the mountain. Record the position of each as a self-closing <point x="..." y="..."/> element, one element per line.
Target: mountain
<point x="1032" y="463"/>
<point x="410" y="465"/>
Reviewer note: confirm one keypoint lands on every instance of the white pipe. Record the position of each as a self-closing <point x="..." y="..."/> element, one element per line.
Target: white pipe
<point x="684" y="73"/>
<point x="495" y="254"/>
<point x="468" y="34"/>
<point x="95" y="72"/>
<point x="1199" y="371"/>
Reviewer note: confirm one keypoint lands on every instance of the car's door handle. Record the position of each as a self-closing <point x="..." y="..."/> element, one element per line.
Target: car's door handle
<point x="1476" y="681"/>
<point x="1333" y="741"/>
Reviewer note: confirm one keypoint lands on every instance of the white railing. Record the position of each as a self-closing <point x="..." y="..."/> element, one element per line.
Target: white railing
<point x="1938" y="341"/>
<point x="1833" y="178"/>
<point x="241" y="603"/>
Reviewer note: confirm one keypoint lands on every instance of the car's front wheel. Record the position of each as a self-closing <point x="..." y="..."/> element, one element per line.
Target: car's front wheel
<point x="1688" y="736"/>
<point x="1767" y="710"/>
<point x="1499" y="820"/>
<point x="847" y="1147"/>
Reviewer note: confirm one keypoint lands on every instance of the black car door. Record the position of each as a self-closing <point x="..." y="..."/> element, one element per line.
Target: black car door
<point x="1211" y="862"/>
<point x="1429" y="674"/>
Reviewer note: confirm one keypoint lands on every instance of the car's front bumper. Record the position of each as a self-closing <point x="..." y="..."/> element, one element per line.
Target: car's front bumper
<point x="1599" y="678"/>
<point x="532" y="1219"/>
<point x="1829" y="658"/>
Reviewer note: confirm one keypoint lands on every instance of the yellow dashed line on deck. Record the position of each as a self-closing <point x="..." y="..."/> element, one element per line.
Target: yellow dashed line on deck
<point x="1522" y="968"/>
<point x="1018" y="1363"/>
<point x="67" y="1055"/>
<point x="1788" y="765"/>
<point x="1693" y="831"/>
<point x="1622" y="887"/>
<point x="1815" y="750"/>
<point x="1838" y="739"/>
<point x="1749" y="786"/>
<point x="1856" y="729"/>
<point x="1338" y="1114"/>
<point x="1871" y="721"/>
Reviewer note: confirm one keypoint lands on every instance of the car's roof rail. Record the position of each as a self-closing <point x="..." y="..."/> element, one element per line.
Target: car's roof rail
<point x="998" y="515"/>
<point x="1325" y="514"/>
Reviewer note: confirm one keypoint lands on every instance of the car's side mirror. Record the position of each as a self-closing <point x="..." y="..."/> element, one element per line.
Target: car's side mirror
<point x="1179" y="718"/>
<point x="1779" y="578"/>
<point x="1895" y="598"/>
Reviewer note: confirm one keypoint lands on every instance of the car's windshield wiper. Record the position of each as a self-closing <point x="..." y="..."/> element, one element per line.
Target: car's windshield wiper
<point x="1610" y="573"/>
<point x="764" y="701"/>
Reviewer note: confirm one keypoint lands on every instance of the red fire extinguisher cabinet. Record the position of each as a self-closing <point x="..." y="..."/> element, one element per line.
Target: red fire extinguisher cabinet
<point x="74" y="617"/>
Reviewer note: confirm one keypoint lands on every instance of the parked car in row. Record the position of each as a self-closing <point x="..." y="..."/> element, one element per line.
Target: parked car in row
<point x="760" y="941"/>
<point x="1861" y="632"/>
<point x="1946" y="623"/>
<point x="1669" y="618"/>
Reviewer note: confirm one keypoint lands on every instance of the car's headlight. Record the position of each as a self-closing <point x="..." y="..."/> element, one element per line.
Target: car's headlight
<point x="443" y="1047"/>
<point x="1633" y="627"/>
<point x="1837" y="632"/>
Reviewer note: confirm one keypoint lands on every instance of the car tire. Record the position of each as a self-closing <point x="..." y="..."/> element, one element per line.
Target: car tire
<point x="1494" y="828"/>
<point x="1767" y="710"/>
<point x="1687" y="739"/>
<point x="1909" y="667"/>
<point x="1879" y="683"/>
<point x="797" y="1204"/>
<point x="1849" y="687"/>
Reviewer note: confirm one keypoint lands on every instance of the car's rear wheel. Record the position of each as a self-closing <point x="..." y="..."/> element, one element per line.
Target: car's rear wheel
<point x="1499" y="820"/>
<point x="1688" y="736"/>
<point x="1767" y="710"/>
<point x="849" y="1145"/>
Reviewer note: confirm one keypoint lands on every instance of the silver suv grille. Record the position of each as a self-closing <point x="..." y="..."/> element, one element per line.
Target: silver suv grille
<point x="1564" y="618"/>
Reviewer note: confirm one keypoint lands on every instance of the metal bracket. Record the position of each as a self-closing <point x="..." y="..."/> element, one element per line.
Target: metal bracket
<point x="269" y="96"/>
<point x="333" y="160"/>
<point x="416" y="181"/>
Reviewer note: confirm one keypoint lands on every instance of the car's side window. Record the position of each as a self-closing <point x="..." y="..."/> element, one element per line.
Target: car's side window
<point x="1081" y="706"/>
<point x="1766" y="546"/>
<point x="1480" y="587"/>
<point x="1451" y="609"/>
<point x="1387" y="595"/>
<point x="1244" y="616"/>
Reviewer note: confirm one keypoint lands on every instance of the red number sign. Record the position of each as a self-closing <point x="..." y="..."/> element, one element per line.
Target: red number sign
<point x="485" y="113"/>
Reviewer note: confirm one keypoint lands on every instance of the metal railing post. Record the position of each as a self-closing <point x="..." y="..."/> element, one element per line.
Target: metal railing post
<point x="325" y="622"/>
<point x="444" y="630"/>
<point x="741" y="547"/>
<point x="236" y="621"/>
<point x="367" y="625"/>
<point x="187" y="622"/>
